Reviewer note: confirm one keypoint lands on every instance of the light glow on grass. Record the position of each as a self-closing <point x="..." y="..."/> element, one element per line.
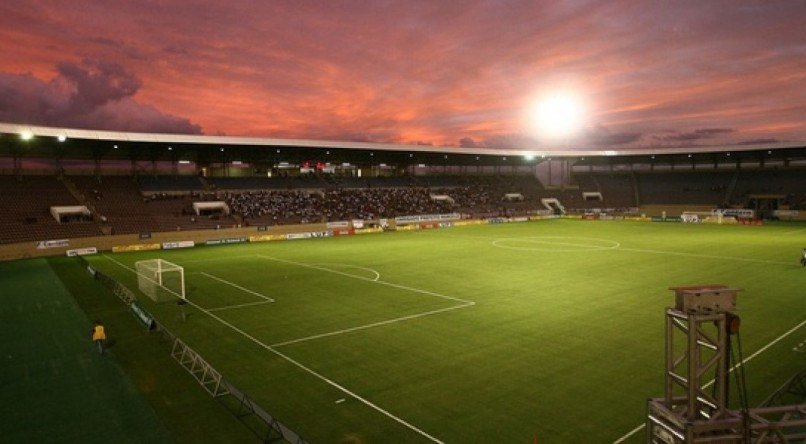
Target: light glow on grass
<point x="573" y="309"/>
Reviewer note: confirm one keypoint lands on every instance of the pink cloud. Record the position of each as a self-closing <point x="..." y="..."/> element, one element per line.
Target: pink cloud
<point x="435" y="72"/>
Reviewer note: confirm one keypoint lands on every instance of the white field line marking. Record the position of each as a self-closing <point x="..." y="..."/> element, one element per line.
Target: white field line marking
<point x="630" y="433"/>
<point x="706" y="256"/>
<point x="300" y="365"/>
<point x="640" y="250"/>
<point x="357" y="267"/>
<point x="237" y="286"/>
<point x="745" y="361"/>
<point x="577" y="247"/>
<point x="217" y="258"/>
<point x="374" y="324"/>
<point x="550" y="240"/>
<point x="248" y="304"/>
<point x="366" y="279"/>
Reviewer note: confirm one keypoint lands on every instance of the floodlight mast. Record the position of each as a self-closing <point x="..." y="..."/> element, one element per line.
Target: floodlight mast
<point x="701" y="315"/>
<point x="704" y="317"/>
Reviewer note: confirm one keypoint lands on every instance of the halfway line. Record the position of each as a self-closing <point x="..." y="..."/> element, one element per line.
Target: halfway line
<point x="706" y="256"/>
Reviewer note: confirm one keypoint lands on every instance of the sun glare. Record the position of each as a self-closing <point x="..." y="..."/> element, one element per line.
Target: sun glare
<point x="558" y="115"/>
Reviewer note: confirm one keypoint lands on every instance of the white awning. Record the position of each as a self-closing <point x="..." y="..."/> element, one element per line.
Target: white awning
<point x="58" y="211"/>
<point x="198" y="207"/>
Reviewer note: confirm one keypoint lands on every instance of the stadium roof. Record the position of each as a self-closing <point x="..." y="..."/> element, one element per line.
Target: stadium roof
<point x="223" y="141"/>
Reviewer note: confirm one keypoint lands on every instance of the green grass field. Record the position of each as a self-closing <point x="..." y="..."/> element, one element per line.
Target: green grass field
<point x="492" y="333"/>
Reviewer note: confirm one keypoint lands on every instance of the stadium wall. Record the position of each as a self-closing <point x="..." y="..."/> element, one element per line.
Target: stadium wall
<point x="671" y="210"/>
<point x="106" y="243"/>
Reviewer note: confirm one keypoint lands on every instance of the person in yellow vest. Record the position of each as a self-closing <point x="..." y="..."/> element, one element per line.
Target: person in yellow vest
<point x="99" y="336"/>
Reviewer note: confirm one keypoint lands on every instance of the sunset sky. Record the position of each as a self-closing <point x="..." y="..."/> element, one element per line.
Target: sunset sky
<point x="455" y="73"/>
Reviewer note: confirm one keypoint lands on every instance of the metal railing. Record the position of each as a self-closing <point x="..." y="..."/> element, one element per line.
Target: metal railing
<point x="205" y="374"/>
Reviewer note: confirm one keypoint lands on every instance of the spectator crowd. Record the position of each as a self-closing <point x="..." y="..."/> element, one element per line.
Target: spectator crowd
<point x="279" y="207"/>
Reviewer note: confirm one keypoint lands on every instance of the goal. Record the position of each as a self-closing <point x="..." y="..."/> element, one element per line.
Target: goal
<point x="161" y="280"/>
<point x="708" y="217"/>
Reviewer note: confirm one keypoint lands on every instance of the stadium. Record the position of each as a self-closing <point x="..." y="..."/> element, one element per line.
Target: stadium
<point x="573" y="221"/>
<point x="348" y="291"/>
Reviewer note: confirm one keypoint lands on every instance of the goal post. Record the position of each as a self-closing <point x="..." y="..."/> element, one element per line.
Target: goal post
<point x="160" y="280"/>
<point x="708" y="217"/>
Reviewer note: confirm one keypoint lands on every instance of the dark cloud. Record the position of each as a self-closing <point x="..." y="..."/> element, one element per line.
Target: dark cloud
<point x="96" y="83"/>
<point x="410" y="71"/>
<point x="602" y="136"/>
<point x="758" y="141"/>
<point x="510" y="141"/>
<point x="704" y="133"/>
<point x="95" y="94"/>
<point x="710" y="132"/>
<point x="104" y="41"/>
<point x="469" y="142"/>
<point x="176" y="50"/>
<point x="119" y="47"/>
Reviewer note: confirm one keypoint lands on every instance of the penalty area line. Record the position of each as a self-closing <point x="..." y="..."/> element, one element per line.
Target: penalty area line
<point x="745" y="361"/>
<point x="301" y="366"/>
<point x="366" y="279"/>
<point x="234" y="285"/>
<point x="374" y="324"/>
<point x="230" y="307"/>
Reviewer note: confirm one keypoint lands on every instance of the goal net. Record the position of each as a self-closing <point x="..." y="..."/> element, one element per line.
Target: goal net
<point x="161" y="280"/>
<point x="708" y="217"/>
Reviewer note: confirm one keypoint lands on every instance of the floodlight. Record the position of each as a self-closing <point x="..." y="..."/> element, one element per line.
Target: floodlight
<point x="61" y="137"/>
<point x="529" y="157"/>
<point x="26" y="135"/>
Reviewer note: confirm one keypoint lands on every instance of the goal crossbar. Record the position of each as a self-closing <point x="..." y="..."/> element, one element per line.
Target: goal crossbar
<point x="160" y="280"/>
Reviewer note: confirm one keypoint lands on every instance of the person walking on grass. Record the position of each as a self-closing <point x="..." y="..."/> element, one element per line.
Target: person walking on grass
<point x="803" y="258"/>
<point x="99" y="336"/>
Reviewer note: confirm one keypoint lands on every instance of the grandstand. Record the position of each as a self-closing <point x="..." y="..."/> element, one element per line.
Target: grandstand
<point x="281" y="188"/>
<point x="488" y="330"/>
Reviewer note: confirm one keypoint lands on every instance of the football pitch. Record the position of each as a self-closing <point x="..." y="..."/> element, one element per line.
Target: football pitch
<point x="487" y="333"/>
